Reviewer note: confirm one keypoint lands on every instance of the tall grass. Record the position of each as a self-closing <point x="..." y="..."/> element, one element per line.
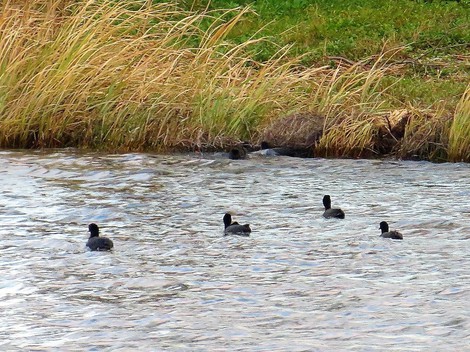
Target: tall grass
<point x="459" y="135"/>
<point x="132" y="75"/>
<point x="351" y="100"/>
<point x="426" y="135"/>
<point x="128" y="75"/>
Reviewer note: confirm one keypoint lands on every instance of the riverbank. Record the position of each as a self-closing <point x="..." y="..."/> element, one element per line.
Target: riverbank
<point x="129" y="77"/>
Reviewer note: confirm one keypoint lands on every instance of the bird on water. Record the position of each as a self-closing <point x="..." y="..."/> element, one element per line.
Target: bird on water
<point x="97" y="243"/>
<point x="234" y="228"/>
<point x="389" y="234"/>
<point x="331" y="212"/>
<point x="237" y="153"/>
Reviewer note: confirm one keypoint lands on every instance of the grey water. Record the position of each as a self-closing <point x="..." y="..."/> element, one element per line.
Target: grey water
<point x="174" y="283"/>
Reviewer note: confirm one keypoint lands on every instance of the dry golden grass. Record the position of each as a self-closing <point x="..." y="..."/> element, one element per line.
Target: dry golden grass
<point x="351" y="100"/>
<point x="135" y="76"/>
<point x="425" y="135"/>
<point x="123" y="75"/>
<point x="459" y="135"/>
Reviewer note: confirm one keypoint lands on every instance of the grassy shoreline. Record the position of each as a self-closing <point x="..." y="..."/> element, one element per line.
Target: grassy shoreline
<point x="136" y="75"/>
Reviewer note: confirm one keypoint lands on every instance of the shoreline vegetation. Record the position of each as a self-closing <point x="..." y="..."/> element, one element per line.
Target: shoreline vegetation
<point x="153" y="76"/>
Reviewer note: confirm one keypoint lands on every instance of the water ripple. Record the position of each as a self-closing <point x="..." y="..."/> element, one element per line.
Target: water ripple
<point x="173" y="282"/>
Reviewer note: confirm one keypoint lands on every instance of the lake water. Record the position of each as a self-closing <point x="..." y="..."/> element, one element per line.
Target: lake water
<point x="174" y="283"/>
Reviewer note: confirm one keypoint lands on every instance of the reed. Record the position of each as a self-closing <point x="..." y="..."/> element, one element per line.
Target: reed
<point x="426" y="135"/>
<point x="122" y="75"/>
<point x="351" y="99"/>
<point x="459" y="134"/>
<point x="132" y="75"/>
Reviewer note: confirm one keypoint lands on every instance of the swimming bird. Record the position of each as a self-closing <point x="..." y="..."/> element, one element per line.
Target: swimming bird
<point x="234" y="228"/>
<point x="329" y="212"/>
<point x="97" y="243"/>
<point x="389" y="234"/>
<point x="236" y="153"/>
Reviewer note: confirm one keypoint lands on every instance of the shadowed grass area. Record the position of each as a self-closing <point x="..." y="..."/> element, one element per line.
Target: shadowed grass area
<point x="132" y="75"/>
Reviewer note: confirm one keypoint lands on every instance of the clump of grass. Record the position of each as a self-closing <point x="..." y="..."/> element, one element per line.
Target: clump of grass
<point x="459" y="134"/>
<point x="69" y="72"/>
<point x="350" y="99"/>
<point x="425" y="136"/>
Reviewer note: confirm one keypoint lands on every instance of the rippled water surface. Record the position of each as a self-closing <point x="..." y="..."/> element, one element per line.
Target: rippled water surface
<point x="174" y="283"/>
